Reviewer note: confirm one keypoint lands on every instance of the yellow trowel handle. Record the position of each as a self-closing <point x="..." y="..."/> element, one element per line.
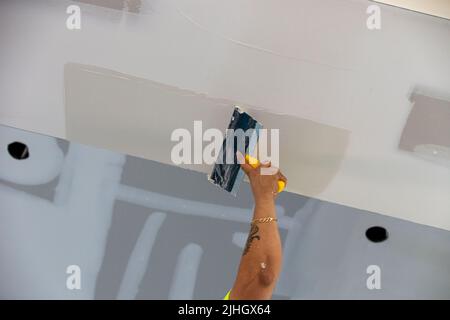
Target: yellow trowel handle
<point x="255" y="164"/>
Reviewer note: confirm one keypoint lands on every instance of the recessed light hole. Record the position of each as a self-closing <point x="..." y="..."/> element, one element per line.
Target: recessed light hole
<point x="377" y="234"/>
<point x="18" y="150"/>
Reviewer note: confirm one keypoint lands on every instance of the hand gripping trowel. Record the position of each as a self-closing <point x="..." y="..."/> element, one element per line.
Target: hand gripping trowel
<point x="242" y="135"/>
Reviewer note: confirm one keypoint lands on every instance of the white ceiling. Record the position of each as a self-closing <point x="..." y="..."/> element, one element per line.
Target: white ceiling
<point x="311" y="59"/>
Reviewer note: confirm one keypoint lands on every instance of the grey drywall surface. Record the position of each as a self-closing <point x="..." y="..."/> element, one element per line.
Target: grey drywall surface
<point x="96" y="225"/>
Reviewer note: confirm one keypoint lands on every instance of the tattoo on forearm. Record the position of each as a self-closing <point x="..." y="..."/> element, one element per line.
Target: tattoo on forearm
<point x="252" y="236"/>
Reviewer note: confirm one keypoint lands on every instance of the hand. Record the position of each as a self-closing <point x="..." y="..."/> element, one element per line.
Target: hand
<point x="265" y="185"/>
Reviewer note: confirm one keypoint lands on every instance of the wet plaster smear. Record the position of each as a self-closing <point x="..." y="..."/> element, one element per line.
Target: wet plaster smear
<point x="138" y="116"/>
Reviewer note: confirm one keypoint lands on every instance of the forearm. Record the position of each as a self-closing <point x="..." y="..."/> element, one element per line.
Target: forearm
<point x="266" y="239"/>
<point x="261" y="260"/>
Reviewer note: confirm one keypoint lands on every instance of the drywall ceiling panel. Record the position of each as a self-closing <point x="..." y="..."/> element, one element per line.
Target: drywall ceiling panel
<point x="152" y="215"/>
<point x="313" y="60"/>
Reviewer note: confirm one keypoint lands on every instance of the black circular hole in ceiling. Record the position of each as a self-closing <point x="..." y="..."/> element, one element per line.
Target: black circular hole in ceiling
<point x="377" y="234"/>
<point x="18" y="150"/>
